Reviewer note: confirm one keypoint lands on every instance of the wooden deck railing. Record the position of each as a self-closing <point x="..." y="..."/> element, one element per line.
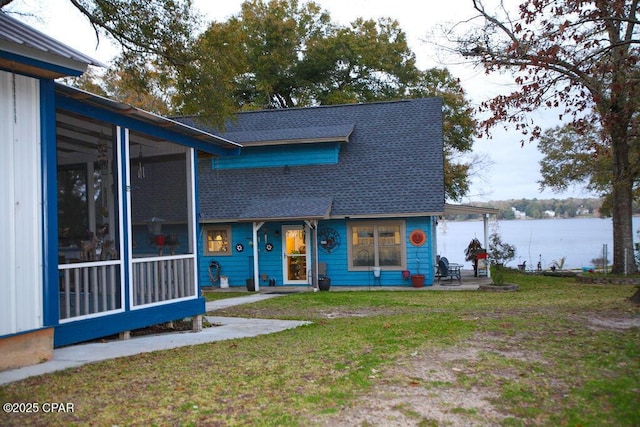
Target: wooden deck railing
<point x="162" y="279"/>
<point x="89" y="288"/>
<point x="95" y="287"/>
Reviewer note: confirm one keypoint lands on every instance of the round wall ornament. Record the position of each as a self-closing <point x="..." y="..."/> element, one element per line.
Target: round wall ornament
<point x="328" y="240"/>
<point x="239" y="247"/>
<point x="418" y="238"/>
<point x="268" y="247"/>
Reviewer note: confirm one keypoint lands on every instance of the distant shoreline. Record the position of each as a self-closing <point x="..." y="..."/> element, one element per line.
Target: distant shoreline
<point x="535" y="219"/>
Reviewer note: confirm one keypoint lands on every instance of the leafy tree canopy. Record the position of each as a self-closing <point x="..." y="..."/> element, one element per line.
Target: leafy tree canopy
<point x="580" y="57"/>
<point x="581" y="157"/>
<point x="282" y="54"/>
<point x="144" y="28"/>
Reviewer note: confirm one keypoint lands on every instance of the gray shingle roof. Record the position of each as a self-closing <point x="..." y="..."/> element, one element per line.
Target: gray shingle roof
<point x="290" y="135"/>
<point x="287" y="206"/>
<point x="21" y="39"/>
<point x="391" y="166"/>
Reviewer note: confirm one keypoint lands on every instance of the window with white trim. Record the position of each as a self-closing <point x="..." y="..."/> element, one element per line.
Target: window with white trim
<point x="376" y="244"/>
<point x="217" y="238"/>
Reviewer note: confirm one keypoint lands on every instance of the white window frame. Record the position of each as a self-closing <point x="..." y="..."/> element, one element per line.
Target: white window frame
<point x="376" y="245"/>
<point x="214" y="227"/>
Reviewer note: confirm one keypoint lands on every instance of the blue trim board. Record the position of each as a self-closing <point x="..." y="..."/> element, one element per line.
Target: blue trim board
<point x="75" y="106"/>
<point x="89" y="329"/>
<point x="40" y="64"/>
<point x="285" y="155"/>
<point x="49" y="186"/>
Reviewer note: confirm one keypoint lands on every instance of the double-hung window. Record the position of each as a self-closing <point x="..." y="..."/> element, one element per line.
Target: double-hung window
<point x="376" y="244"/>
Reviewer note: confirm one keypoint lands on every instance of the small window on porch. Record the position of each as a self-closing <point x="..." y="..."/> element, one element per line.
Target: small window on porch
<point x="217" y="240"/>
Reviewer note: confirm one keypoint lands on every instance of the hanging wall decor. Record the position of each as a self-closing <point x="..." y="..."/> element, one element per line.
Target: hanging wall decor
<point x="239" y="247"/>
<point x="418" y="238"/>
<point x="328" y="240"/>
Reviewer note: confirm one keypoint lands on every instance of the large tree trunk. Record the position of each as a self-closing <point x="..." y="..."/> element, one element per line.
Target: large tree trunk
<point x="622" y="199"/>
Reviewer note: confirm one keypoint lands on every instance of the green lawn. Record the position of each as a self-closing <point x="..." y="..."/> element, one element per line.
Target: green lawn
<point x="553" y="353"/>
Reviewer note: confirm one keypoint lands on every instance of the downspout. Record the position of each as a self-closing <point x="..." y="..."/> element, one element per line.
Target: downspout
<point x="256" y="273"/>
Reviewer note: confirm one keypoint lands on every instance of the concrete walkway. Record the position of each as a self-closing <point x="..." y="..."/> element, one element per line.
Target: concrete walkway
<point x="226" y="328"/>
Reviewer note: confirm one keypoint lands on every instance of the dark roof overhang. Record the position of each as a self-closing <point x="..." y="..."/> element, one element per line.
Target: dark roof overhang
<point x="298" y="135"/>
<point x="450" y="209"/>
<point x="287" y="208"/>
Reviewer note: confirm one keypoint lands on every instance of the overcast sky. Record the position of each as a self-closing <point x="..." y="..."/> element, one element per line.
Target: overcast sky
<point x="512" y="171"/>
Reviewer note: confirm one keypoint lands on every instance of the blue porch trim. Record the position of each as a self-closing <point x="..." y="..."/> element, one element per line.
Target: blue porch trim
<point x="40" y="64"/>
<point x="84" y="109"/>
<point x="275" y="156"/>
<point x="88" y="329"/>
<point x="49" y="203"/>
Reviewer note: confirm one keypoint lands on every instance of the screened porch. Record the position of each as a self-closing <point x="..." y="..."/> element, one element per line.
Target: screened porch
<point x="126" y="235"/>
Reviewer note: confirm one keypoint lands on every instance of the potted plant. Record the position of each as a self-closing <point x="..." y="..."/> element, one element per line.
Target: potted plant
<point x="471" y="254"/>
<point x="417" y="280"/>
<point x="324" y="283"/>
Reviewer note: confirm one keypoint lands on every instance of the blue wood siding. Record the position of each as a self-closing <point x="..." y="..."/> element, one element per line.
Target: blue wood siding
<point x="239" y="265"/>
<point x="338" y="262"/>
<point x="284" y="155"/>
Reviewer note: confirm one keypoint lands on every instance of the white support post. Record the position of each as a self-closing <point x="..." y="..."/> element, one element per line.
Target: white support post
<point x="313" y="225"/>
<point x="485" y="220"/>
<point x="256" y="273"/>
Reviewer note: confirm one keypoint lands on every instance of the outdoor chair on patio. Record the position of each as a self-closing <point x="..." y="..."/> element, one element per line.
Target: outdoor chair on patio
<point x="445" y="269"/>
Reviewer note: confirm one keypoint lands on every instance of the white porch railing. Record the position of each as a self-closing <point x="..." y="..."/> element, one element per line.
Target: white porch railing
<point x="89" y="288"/>
<point x="162" y="279"/>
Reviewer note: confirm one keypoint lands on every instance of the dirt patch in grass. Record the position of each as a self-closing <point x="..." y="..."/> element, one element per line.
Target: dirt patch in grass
<point x="486" y="381"/>
<point x="423" y="389"/>
<point x="615" y="322"/>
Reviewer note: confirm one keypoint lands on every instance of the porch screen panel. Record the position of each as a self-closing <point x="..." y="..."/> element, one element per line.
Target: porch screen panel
<point x="162" y="244"/>
<point x="89" y="258"/>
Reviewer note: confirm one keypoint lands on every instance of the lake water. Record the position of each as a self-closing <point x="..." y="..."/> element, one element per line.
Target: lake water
<point x="578" y="239"/>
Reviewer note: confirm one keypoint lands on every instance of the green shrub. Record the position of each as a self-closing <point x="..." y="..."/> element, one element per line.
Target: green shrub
<point x="497" y="274"/>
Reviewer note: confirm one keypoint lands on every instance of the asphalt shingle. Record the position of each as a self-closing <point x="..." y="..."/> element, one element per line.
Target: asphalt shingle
<point x="392" y="164"/>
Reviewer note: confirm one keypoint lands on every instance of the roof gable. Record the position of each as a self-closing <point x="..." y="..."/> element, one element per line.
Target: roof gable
<point x="391" y="166"/>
